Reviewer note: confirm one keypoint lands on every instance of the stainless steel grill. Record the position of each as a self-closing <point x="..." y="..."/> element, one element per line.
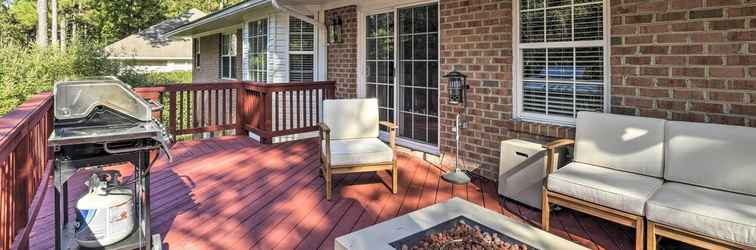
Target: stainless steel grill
<point x="102" y="121"/>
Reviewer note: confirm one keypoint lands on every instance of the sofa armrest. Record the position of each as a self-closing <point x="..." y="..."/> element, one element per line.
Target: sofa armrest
<point x="558" y="144"/>
<point x="551" y="158"/>
<point x="392" y="133"/>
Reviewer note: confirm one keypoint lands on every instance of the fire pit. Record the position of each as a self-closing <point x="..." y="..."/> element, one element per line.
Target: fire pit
<point x="459" y="233"/>
<point x="454" y="224"/>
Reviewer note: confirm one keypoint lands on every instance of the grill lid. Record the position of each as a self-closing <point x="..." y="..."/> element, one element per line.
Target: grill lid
<point x="76" y="99"/>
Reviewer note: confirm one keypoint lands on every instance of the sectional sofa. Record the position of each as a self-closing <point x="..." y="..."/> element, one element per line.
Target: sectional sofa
<point x="692" y="182"/>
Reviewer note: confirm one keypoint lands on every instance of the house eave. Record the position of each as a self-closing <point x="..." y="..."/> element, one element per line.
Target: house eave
<point x="219" y="17"/>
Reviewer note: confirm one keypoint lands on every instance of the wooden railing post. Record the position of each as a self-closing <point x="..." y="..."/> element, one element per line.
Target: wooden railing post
<point x="242" y="101"/>
<point x="267" y="111"/>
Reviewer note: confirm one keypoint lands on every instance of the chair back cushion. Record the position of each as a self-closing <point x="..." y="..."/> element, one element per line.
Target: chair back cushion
<point x="627" y="143"/>
<point x="351" y="118"/>
<point x="711" y="155"/>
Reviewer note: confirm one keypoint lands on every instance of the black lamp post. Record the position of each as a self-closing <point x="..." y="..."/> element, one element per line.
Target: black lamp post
<point x="457" y="90"/>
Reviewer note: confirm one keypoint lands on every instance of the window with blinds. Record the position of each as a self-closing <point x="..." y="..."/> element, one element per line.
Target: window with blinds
<point x="562" y="46"/>
<point x="228" y="56"/>
<point x="258" y="50"/>
<point x="301" y="50"/>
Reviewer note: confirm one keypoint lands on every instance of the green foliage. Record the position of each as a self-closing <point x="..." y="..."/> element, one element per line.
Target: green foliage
<point x="136" y="79"/>
<point x="28" y="70"/>
<point x="25" y="13"/>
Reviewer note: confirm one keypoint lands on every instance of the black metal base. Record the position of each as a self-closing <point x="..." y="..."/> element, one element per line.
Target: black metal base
<point x="65" y="237"/>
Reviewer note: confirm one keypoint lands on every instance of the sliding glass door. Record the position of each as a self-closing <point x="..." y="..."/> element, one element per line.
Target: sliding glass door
<point x="415" y="84"/>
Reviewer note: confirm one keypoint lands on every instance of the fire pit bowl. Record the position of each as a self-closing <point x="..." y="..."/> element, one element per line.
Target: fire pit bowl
<point x="419" y="227"/>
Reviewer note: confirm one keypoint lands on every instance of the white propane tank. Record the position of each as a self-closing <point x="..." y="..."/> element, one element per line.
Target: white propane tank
<point x="105" y="215"/>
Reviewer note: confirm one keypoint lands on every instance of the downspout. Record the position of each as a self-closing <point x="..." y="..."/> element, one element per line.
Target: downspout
<point x="295" y="13"/>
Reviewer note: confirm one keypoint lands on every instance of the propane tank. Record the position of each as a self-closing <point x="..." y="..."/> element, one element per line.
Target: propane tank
<point x="104" y="215"/>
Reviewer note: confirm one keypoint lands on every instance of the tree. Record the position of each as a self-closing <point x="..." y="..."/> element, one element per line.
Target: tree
<point x="42" y="23"/>
<point x="54" y="33"/>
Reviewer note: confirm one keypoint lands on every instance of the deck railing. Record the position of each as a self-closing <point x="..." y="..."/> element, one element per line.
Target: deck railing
<point x="268" y="110"/>
<point x="273" y="110"/>
<point x="23" y="166"/>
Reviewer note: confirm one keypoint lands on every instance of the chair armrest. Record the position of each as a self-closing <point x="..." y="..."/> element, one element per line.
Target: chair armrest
<point x="389" y="125"/>
<point x="325" y="143"/>
<point x="392" y="133"/>
<point x="558" y="143"/>
<point x="324" y="128"/>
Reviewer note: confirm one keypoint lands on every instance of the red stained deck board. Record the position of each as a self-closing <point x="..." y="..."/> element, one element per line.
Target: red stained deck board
<point x="234" y="193"/>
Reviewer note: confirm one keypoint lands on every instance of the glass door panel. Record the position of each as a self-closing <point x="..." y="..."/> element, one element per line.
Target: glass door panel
<point x="380" y="62"/>
<point x="418" y="76"/>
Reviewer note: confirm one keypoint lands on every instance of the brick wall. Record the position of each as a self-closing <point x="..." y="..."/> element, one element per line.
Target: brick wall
<point x="209" y="63"/>
<point x="476" y="39"/>
<point x="692" y="60"/>
<point x="342" y="58"/>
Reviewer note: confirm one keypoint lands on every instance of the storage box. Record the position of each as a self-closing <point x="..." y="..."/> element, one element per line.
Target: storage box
<point x="522" y="169"/>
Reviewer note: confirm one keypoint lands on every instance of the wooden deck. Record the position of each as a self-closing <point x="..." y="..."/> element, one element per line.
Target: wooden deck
<point x="233" y="193"/>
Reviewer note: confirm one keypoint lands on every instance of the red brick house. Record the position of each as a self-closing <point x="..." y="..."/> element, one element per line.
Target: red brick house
<point x="532" y="64"/>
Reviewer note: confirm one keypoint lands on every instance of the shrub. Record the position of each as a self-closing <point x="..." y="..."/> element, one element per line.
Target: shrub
<point x="27" y="70"/>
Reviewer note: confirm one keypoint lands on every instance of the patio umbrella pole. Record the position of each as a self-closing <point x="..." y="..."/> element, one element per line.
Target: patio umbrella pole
<point x="457" y="176"/>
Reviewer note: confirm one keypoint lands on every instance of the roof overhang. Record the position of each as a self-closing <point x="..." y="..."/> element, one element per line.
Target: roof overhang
<point x="217" y="20"/>
<point x="235" y="15"/>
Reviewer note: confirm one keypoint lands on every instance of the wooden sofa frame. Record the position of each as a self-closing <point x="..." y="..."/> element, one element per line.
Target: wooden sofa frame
<point x="657" y="229"/>
<point x="613" y="215"/>
<point x="328" y="170"/>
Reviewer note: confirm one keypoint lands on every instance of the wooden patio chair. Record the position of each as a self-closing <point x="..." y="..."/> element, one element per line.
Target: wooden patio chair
<point x="349" y="141"/>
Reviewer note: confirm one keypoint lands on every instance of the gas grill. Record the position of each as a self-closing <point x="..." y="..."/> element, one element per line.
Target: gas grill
<point x="99" y="122"/>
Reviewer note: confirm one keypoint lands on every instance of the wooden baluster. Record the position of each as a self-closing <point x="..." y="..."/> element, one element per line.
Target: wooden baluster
<point x="217" y="107"/>
<point x="180" y="112"/>
<point x="291" y="110"/>
<point x="225" y="107"/>
<point x="172" y="112"/>
<point x="317" y="105"/>
<point x="194" y="108"/>
<point x="299" y="110"/>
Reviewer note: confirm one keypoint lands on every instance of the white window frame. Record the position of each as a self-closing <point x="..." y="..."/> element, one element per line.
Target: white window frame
<point x="302" y="52"/>
<point x="233" y="47"/>
<point x="248" y="56"/>
<point x="379" y="8"/>
<point x="197" y="63"/>
<point x="517" y="66"/>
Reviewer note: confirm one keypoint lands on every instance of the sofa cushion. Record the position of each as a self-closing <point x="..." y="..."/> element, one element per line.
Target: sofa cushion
<point x="719" y="214"/>
<point x="351" y="118"/>
<point x="628" y="143"/>
<point x="711" y="155"/>
<point x="620" y="190"/>
<point x="360" y="151"/>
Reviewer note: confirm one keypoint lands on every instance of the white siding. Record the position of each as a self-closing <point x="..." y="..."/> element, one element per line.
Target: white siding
<point x="245" y="53"/>
<point x="278" y="48"/>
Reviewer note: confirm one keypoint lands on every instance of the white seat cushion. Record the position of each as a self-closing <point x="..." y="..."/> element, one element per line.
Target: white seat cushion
<point x="718" y="214"/>
<point x="628" y="143"/>
<point x="620" y="190"/>
<point x="360" y="151"/>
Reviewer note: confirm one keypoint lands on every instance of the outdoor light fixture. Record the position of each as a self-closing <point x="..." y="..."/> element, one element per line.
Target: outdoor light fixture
<point x="335" y="30"/>
<point x="457" y="88"/>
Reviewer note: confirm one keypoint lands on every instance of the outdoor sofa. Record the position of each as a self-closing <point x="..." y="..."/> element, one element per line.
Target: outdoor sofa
<point x="692" y="182"/>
